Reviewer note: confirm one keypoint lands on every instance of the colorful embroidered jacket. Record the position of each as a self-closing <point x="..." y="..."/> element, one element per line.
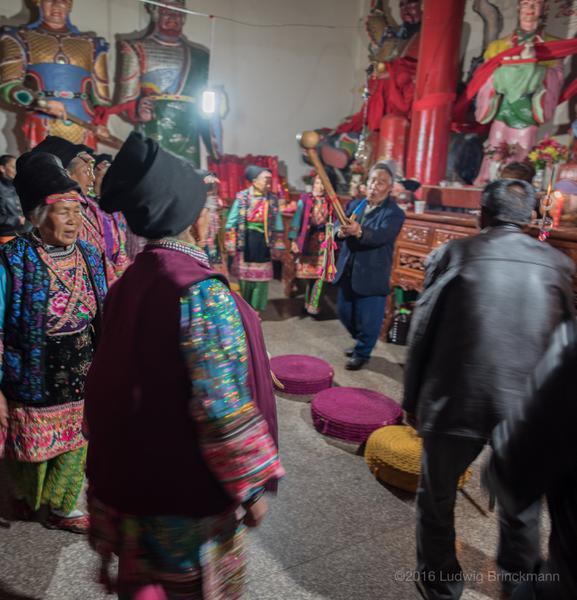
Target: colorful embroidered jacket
<point x="27" y="293"/>
<point x="174" y="410"/>
<point x="238" y="217"/>
<point x="306" y="217"/>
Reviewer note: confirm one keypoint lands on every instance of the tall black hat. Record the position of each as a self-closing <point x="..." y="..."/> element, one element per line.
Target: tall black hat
<point x="99" y="158"/>
<point x="253" y="171"/>
<point x="159" y="194"/>
<point x="66" y="151"/>
<point x="39" y="175"/>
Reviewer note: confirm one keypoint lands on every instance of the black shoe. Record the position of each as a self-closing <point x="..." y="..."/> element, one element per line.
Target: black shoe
<point x="355" y="363"/>
<point x="350" y="352"/>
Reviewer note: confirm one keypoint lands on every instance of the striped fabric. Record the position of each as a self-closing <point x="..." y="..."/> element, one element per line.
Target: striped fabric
<point x="234" y="438"/>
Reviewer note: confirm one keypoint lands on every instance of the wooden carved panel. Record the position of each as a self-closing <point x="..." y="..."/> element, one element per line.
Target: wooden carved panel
<point x="442" y="236"/>
<point x="410" y="262"/>
<point x="406" y="282"/>
<point x="416" y="234"/>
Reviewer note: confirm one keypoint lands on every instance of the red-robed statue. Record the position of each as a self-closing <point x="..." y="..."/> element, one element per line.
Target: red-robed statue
<point x="393" y="54"/>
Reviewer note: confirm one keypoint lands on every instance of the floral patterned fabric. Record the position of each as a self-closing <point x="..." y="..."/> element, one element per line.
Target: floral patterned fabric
<point x="188" y="558"/>
<point x="25" y="277"/>
<point x="72" y="303"/>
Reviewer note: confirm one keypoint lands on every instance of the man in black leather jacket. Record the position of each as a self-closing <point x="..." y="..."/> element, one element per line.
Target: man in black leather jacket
<point x="481" y="326"/>
<point x="11" y="216"/>
<point x="536" y="454"/>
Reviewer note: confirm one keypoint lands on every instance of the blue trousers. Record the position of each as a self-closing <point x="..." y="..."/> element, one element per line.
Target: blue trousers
<point x="361" y="315"/>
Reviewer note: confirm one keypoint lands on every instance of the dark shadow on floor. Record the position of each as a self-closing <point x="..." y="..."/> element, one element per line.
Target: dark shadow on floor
<point x="403" y="495"/>
<point x="6" y="594"/>
<point x="280" y="309"/>
<point x="381" y="365"/>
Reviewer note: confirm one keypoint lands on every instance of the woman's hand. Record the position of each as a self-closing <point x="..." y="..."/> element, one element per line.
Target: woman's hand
<point x="256" y="513"/>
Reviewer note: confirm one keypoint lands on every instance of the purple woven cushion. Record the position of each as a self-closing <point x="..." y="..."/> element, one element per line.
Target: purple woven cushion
<point x="352" y="414"/>
<point x="301" y="374"/>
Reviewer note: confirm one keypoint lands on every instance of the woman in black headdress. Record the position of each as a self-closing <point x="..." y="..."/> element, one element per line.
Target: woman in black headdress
<point x="255" y="219"/>
<point x="52" y="286"/>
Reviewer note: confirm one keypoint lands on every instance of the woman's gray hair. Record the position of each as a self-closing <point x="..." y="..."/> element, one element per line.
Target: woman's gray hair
<point x="383" y="166"/>
<point x="509" y="201"/>
<point x="38" y="215"/>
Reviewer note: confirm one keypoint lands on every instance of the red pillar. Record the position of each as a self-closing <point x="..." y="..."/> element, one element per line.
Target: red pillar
<point x="437" y="73"/>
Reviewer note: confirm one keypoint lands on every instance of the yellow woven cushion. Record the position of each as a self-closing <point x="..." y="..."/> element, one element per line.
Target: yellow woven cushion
<point x="393" y="454"/>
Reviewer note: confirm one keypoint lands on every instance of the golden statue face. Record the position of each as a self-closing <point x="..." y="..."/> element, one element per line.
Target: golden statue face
<point x="55" y="12"/>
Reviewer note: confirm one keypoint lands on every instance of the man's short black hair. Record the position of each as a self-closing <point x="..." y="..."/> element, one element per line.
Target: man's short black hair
<point x="509" y="201"/>
<point x="383" y="166"/>
<point x="519" y="170"/>
<point x="5" y="159"/>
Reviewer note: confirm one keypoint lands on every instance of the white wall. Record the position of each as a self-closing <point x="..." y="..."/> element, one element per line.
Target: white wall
<point x="280" y="81"/>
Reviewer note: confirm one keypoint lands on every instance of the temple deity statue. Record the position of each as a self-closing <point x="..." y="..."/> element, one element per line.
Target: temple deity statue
<point x="521" y="94"/>
<point x="55" y="74"/>
<point x="390" y="87"/>
<point x="166" y="74"/>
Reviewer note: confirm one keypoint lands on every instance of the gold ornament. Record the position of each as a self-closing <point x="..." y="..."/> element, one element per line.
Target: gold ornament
<point x="308" y="139"/>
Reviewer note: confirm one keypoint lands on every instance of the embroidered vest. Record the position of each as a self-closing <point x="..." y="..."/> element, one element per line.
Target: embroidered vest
<point x="28" y="285"/>
<point x="244" y="198"/>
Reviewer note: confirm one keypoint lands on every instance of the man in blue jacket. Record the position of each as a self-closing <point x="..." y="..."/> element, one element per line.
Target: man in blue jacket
<point x="364" y="265"/>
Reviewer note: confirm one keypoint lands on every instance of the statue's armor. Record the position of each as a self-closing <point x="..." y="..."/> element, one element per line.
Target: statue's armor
<point x="174" y="75"/>
<point x="69" y="67"/>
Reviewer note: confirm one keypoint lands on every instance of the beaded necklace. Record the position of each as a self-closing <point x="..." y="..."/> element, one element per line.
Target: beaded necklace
<point x="180" y="246"/>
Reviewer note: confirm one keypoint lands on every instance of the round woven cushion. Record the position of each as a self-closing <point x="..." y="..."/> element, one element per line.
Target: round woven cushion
<point x="301" y="374"/>
<point x="352" y="414"/>
<point x="393" y="454"/>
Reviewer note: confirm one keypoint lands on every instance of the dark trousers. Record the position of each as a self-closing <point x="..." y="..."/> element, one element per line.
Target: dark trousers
<point x="361" y="315"/>
<point x="444" y="460"/>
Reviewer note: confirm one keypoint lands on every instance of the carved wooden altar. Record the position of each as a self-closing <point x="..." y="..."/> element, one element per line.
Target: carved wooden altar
<point x="423" y="233"/>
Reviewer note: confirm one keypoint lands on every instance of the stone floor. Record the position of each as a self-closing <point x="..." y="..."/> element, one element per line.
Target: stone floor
<point x="333" y="532"/>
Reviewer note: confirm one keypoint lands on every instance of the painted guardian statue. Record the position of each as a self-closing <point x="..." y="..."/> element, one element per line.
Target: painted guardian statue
<point x="166" y="74"/>
<point x="52" y="71"/>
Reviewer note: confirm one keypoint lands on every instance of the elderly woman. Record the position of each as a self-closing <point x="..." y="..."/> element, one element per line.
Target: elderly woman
<point x="51" y="289"/>
<point x="365" y="260"/>
<point x="312" y="243"/>
<point x="98" y="228"/>
<point x="180" y="408"/>
<point x="254" y="220"/>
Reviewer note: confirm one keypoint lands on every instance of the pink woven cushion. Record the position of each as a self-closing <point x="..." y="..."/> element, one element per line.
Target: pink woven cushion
<point x="302" y="374"/>
<point x="352" y="414"/>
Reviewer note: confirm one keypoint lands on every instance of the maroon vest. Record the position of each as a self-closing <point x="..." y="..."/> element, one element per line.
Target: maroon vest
<point x="143" y="454"/>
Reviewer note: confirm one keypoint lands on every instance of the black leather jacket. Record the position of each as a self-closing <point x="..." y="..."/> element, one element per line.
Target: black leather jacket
<point x="10" y="209"/>
<point x="483" y="322"/>
<point x="536" y="454"/>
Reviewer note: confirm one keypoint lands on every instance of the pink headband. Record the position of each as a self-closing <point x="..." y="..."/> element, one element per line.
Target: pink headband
<point x="71" y="196"/>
